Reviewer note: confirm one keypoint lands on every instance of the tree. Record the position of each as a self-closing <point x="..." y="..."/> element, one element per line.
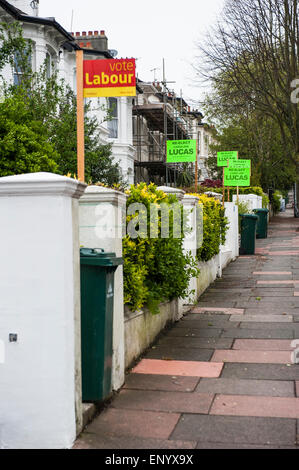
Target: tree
<point x="258" y="140"/>
<point x="24" y="145"/>
<point x="251" y="57"/>
<point x="51" y="105"/>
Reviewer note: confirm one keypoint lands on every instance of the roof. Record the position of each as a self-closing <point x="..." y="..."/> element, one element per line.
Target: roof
<point x="21" y="16"/>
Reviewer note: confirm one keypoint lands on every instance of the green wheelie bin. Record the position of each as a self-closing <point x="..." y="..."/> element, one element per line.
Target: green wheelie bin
<point x="262" y="223"/>
<point x="248" y="233"/>
<point x="97" y="294"/>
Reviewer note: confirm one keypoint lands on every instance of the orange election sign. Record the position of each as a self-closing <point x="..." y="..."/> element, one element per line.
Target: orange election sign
<point x="109" y="78"/>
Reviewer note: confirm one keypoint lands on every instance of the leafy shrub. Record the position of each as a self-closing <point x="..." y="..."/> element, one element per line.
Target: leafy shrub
<point x="265" y="201"/>
<point x="215" y="226"/>
<point x="243" y="208"/>
<point x="276" y="202"/>
<point x="24" y="146"/>
<point x="155" y="269"/>
<point x="208" y="183"/>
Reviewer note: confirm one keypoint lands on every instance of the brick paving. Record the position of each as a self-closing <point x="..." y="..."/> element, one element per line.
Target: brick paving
<point x="221" y="378"/>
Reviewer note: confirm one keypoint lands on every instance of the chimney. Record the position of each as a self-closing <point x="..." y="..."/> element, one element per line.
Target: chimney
<point x="92" y="40"/>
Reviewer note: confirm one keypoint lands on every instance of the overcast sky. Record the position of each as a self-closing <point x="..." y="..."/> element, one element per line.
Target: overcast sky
<point x="148" y="31"/>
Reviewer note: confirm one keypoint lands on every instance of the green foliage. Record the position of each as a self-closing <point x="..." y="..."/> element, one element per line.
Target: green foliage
<point x="99" y="166"/>
<point x="276" y="202"/>
<point x="155" y="269"/>
<point x="215" y="226"/>
<point x="243" y="208"/>
<point x="24" y="145"/>
<point x="265" y="202"/>
<point x="259" y="140"/>
<point x="50" y="107"/>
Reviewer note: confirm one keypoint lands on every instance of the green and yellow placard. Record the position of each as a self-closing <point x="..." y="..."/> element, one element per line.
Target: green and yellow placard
<point x="181" y="151"/>
<point x="236" y="176"/>
<point x="223" y="157"/>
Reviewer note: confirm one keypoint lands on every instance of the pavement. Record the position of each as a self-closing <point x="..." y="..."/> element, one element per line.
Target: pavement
<point x="223" y="377"/>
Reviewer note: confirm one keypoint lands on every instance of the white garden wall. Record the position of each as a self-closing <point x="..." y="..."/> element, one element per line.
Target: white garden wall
<point x="40" y="378"/>
<point x="254" y="201"/>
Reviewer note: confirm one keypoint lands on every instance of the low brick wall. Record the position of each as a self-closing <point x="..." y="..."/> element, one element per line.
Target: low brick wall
<point x="142" y="328"/>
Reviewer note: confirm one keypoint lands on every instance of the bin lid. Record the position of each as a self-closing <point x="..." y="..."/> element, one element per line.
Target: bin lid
<point x="261" y="210"/>
<point x="98" y="257"/>
<point x="249" y="216"/>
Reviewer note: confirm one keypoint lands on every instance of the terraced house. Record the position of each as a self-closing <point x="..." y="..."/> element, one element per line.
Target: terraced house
<point x="51" y="41"/>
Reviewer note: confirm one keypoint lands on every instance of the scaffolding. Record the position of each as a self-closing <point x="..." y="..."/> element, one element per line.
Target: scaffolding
<point x="153" y="124"/>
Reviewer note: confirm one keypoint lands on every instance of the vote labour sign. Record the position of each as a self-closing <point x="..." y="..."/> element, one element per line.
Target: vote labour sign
<point x="236" y="176"/>
<point x="223" y="157"/>
<point x="109" y="78"/>
<point x="181" y="151"/>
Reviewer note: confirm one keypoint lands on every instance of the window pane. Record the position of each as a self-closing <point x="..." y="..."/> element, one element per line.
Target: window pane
<point x="113" y="128"/>
<point x="113" y="107"/>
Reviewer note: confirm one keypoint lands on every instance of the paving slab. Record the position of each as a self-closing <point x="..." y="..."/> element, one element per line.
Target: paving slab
<point x="269" y="294"/>
<point x="261" y="310"/>
<point x="206" y="317"/>
<point x="227" y="311"/>
<point x="177" y="402"/>
<point x="263" y="345"/>
<point x="180" y="368"/>
<point x="288" y="326"/>
<point x="191" y="342"/>
<point x="202" y="324"/>
<point x="179" y="354"/>
<point x="160" y="383"/>
<point x="262" y="318"/>
<point x="216" y="303"/>
<point x="233" y="446"/>
<point x="137" y="423"/>
<point x="112" y="442"/>
<point x="253" y="357"/>
<point x="272" y="273"/>
<point x="253" y="333"/>
<point x="236" y="430"/>
<point x="272" y="407"/>
<point x="261" y="371"/>
<point x="273" y="388"/>
<point x="277" y="283"/>
<point x="195" y="333"/>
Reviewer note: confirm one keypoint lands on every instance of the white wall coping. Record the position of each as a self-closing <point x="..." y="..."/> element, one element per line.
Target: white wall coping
<point x="41" y="184"/>
<point x="214" y="195"/>
<point x="96" y="194"/>
<point x="188" y="199"/>
<point x="179" y="193"/>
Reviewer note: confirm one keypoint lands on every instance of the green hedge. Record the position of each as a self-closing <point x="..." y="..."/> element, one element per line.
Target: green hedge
<point x="215" y="226"/>
<point x="155" y="269"/>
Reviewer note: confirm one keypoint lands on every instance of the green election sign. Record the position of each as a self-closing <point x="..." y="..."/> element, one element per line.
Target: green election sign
<point x="181" y="151"/>
<point x="237" y="177"/>
<point x="223" y="157"/>
<point x="239" y="164"/>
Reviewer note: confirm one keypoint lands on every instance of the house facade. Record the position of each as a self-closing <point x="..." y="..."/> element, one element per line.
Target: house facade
<point x="51" y="41"/>
<point x="159" y="115"/>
